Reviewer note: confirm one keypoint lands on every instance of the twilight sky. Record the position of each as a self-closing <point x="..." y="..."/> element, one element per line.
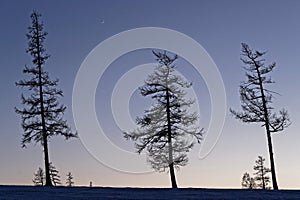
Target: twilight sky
<point x="76" y="27"/>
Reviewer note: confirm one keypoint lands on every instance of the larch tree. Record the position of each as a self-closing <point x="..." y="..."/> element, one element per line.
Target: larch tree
<point x="257" y="99"/>
<point x="39" y="177"/>
<point x="55" y="178"/>
<point x="248" y="182"/>
<point x="168" y="130"/>
<point x="70" y="181"/>
<point x="42" y="114"/>
<point x="261" y="173"/>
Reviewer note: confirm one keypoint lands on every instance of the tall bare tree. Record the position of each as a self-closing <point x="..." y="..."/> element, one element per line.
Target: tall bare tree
<point x="42" y="115"/>
<point x="167" y="131"/>
<point x="256" y="100"/>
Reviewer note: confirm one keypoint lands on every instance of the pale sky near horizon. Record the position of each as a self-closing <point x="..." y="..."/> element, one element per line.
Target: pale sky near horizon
<point x="76" y="27"/>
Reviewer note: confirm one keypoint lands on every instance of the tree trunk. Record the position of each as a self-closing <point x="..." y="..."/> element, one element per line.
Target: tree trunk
<point x="172" y="174"/>
<point x="45" y="141"/>
<point x="269" y="139"/>
<point x="46" y="155"/>
<point x="273" y="172"/>
<point x="171" y="162"/>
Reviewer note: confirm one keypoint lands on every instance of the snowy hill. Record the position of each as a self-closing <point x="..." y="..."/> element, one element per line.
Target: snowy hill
<point x="31" y="192"/>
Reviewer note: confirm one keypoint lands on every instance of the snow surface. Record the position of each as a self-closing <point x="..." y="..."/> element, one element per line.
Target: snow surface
<point x="33" y="192"/>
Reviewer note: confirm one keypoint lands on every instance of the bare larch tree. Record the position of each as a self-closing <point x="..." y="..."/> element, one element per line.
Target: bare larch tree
<point x="39" y="177"/>
<point x="70" y="178"/>
<point x="256" y="100"/>
<point x="55" y="177"/>
<point x="42" y="115"/>
<point x="248" y="182"/>
<point x="167" y="131"/>
<point x="261" y="173"/>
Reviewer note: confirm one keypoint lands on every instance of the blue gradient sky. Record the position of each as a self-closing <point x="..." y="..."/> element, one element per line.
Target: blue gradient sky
<point x="75" y="28"/>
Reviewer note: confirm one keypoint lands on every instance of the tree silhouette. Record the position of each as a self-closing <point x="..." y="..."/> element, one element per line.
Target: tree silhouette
<point x="261" y="173"/>
<point x="55" y="178"/>
<point x="256" y="100"/>
<point x="70" y="181"/>
<point x="39" y="176"/>
<point x="248" y="182"/>
<point x="42" y="115"/>
<point x="166" y="131"/>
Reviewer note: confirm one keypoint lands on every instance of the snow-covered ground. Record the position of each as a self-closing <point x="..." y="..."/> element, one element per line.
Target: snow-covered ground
<point x="31" y="192"/>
